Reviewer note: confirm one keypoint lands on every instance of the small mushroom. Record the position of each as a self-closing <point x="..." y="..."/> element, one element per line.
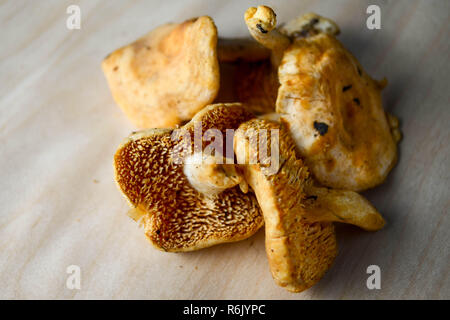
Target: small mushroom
<point x="333" y="108"/>
<point x="253" y="83"/>
<point x="208" y="175"/>
<point x="170" y="199"/>
<point x="164" y="78"/>
<point x="300" y="239"/>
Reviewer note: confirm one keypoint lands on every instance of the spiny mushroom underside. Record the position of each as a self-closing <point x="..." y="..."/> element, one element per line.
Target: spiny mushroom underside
<point x="301" y="255"/>
<point x="256" y="85"/>
<point x="335" y="114"/>
<point x="309" y="24"/>
<point x="299" y="251"/>
<point x="168" y="75"/>
<point x="175" y="216"/>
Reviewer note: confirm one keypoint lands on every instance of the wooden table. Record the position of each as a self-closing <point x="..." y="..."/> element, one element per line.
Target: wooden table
<point x="59" y="129"/>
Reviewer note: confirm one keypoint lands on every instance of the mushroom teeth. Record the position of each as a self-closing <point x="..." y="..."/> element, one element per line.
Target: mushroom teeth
<point x="240" y="49"/>
<point x="176" y="217"/>
<point x="164" y="78"/>
<point x="335" y="114"/>
<point x="300" y="238"/>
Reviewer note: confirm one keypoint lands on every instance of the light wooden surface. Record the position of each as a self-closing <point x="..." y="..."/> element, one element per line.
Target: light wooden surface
<point x="59" y="129"/>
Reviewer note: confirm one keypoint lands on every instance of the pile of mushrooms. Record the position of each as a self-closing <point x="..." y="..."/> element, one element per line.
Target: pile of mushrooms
<point x="194" y="176"/>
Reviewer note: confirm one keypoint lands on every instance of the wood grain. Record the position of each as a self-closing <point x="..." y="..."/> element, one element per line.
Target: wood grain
<point x="59" y="129"/>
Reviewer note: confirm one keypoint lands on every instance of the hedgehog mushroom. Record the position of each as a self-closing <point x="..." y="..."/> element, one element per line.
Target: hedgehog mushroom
<point x="333" y="108"/>
<point x="256" y="85"/>
<point x="300" y="238"/>
<point x="254" y="80"/>
<point x="176" y="215"/>
<point x="164" y="78"/>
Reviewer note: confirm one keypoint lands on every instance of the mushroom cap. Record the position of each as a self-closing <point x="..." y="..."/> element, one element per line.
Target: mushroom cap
<point x="176" y="217"/>
<point x="335" y="114"/>
<point x="302" y="254"/>
<point x="168" y="75"/>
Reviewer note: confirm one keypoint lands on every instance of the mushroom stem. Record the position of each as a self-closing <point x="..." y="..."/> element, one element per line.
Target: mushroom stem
<point x="261" y="24"/>
<point x="209" y="175"/>
<point x="394" y="125"/>
<point x="324" y="204"/>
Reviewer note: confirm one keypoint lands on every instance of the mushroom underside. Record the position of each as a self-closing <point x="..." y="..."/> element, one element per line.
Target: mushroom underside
<point x="177" y="217"/>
